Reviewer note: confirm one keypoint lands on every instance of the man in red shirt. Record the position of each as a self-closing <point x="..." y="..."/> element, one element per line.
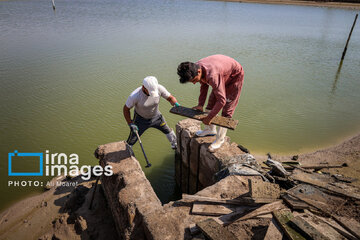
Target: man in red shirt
<point x="226" y="76"/>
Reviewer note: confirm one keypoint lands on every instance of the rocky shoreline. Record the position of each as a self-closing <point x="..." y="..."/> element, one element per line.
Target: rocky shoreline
<point x="62" y="212"/>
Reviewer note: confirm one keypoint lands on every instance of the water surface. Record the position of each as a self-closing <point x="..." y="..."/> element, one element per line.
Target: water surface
<point x="66" y="75"/>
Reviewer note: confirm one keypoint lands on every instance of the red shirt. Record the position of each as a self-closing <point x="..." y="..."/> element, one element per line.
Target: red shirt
<point x="220" y="73"/>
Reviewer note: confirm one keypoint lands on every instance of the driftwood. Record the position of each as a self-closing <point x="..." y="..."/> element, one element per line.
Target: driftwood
<point x="198" y="115"/>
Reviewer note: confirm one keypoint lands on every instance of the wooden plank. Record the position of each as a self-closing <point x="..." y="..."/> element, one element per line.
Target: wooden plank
<point x="324" y="208"/>
<point x="268" y="215"/>
<point x="214" y="231"/>
<point x="350" y="224"/>
<point x="211" y="209"/>
<point x="283" y="217"/>
<point x="265" y="209"/>
<point x="306" y="229"/>
<point x="240" y="201"/>
<point x="273" y="231"/>
<point x="198" y="115"/>
<point x="231" y="217"/>
<point x="315" y="167"/>
<point x="261" y="189"/>
<point x="322" y="182"/>
<point x="324" y="227"/>
<point x="294" y="203"/>
<point x="334" y="225"/>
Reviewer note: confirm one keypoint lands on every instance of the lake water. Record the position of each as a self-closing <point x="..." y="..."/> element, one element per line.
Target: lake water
<point x="66" y="75"/>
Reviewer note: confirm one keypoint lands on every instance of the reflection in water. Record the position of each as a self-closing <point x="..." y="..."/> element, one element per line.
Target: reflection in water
<point x="336" y="77"/>
<point x="342" y="57"/>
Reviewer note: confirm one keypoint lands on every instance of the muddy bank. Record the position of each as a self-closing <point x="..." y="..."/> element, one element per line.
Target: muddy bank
<point x="347" y="152"/>
<point x="347" y="5"/>
<point x="61" y="212"/>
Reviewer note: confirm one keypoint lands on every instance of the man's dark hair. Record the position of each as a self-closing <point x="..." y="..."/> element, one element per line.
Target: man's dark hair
<point x="187" y="71"/>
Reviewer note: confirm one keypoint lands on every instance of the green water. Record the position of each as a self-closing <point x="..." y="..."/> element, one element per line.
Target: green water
<point x="66" y="75"/>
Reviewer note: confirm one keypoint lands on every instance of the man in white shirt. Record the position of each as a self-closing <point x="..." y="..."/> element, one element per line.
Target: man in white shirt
<point x="146" y="100"/>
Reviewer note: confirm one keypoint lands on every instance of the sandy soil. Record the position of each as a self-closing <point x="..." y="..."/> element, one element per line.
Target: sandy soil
<point x="302" y="3"/>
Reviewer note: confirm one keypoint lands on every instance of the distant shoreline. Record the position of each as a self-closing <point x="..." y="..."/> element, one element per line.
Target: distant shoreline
<point x="300" y="3"/>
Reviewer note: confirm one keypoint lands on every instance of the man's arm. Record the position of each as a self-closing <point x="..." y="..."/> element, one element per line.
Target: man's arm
<point x="172" y="100"/>
<point x="126" y="112"/>
<point x="203" y="94"/>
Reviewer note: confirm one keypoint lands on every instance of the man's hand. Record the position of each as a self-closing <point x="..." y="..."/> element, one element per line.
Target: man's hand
<point x="133" y="127"/>
<point x="199" y="108"/>
<point x="206" y="120"/>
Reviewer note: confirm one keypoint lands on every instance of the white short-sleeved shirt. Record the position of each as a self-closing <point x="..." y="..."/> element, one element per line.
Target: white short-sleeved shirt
<point x="146" y="106"/>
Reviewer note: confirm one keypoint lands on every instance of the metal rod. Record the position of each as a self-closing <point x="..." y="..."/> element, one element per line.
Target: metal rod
<point x="142" y="148"/>
<point x="347" y="42"/>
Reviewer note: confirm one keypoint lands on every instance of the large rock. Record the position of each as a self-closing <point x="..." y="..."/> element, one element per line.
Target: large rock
<point x="128" y="192"/>
<point x="195" y="164"/>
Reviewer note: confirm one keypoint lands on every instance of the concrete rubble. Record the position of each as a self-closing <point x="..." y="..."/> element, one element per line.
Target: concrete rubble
<point x="250" y="200"/>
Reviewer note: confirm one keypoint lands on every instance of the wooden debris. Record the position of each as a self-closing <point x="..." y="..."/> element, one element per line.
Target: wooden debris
<point x="350" y="224"/>
<point x="315" y="197"/>
<point x="306" y="229"/>
<point x="214" y="231"/>
<point x="343" y="178"/>
<point x="268" y="208"/>
<point x="334" y="225"/>
<point x="321" y="181"/>
<point x="273" y="231"/>
<point x="290" y="166"/>
<point x="294" y="203"/>
<point x="240" y="201"/>
<point x="198" y="115"/>
<point x="261" y="189"/>
<point x="325" y="227"/>
<point x="324" y="209"/>
<point x="207" y="209"/>
<point x="283" y="217"/>
<point x="268" y="215"/>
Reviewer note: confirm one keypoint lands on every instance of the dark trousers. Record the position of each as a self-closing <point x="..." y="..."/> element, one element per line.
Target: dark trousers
<point x="143" y="124"/>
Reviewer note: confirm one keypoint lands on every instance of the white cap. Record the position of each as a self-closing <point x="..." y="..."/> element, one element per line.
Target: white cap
<point x="151" y="84"/>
